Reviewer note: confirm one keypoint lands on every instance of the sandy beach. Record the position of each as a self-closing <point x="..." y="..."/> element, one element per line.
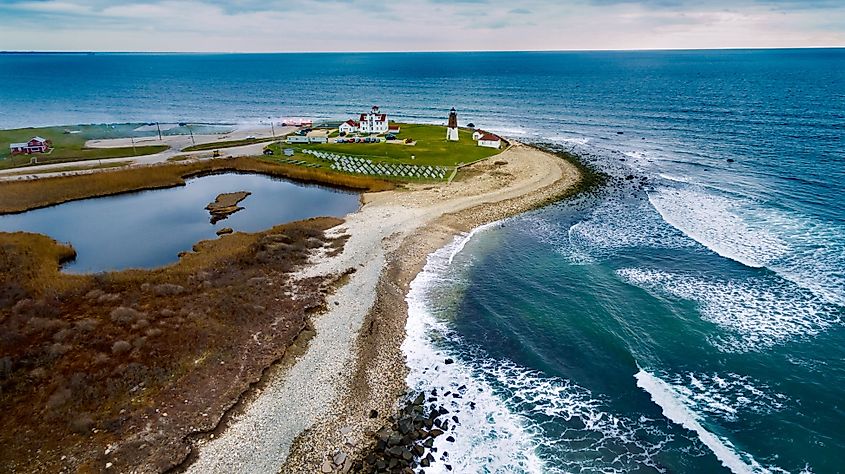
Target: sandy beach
<point x="314" y="413"/>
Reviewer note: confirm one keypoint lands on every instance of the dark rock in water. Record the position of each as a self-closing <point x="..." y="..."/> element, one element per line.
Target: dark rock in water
<point x="629" y="177"/>
<point x="455" y="419"/>
<point x="450" y="439"/>
<point x="448" y="467"/>
<point x="443" y="410"/>
<point x="420" y="399"/>
<point x="472" y="405"/>
<point x="730" y="160"/>
<point x="436" y="432"/>
<point x="462" y="388"/>
<point x="225" y="230"/>
<point x="419" y="450"/>
<point x="448" y="361"/>
<point x="620" y="133"/>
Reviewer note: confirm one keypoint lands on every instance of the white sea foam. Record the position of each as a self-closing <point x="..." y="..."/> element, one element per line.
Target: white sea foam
<point x="725" y="396"/>
<point x="757" y="312"/>
<point x="489" y="436"/>
<point x="501" y="400"/>
<point x="609" y="227"/>
<point x="809" y="253"/>
<point x="714" y="222"/>
<point x="673" y="407"/>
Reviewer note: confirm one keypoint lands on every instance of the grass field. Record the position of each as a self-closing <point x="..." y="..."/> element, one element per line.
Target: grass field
<point x="431" y="149"/>
<point x="71" y="146"/>
<point x="227" y="144"/>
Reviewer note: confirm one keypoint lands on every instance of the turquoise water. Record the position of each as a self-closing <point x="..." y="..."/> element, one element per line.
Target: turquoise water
<point x="149" y="229"/>
<point x="686" y="320"/>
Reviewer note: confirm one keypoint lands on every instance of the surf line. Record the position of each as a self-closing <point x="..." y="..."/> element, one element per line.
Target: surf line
<point x="674" y="409"/>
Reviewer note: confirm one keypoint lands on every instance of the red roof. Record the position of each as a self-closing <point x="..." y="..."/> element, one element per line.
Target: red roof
<point x="379" y="118"/>
<point x="352" y="123"/>
<point x="489" y="137"/>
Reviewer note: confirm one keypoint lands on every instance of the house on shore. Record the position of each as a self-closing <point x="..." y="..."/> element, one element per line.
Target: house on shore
<point x="34" y="145"/>
<point x="350" y="126"/>
<point x="490" y="141"/>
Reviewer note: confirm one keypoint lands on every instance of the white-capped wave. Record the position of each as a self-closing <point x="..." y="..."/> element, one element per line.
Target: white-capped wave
<point x="725" y="396"/>
<point x="757" y="312"/>
<point x="674" y="408"/>
<point x="714" y="221"/>
<point x="500" y="401"/>
<point x="809" y="253"/>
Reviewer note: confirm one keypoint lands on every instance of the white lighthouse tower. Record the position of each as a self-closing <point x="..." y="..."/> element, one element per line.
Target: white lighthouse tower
<point x="452" y="129"/>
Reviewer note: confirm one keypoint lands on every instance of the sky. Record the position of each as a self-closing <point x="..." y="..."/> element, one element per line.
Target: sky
<point x="423" y="25"/>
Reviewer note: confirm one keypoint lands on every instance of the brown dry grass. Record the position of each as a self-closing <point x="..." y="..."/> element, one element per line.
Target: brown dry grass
<point x="140" y="359"/>
<point x="19" y="196"/>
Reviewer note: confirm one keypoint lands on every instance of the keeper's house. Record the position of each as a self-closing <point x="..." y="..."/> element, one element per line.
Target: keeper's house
<point x="374" y="122"/>
<point x="34" y="145"/>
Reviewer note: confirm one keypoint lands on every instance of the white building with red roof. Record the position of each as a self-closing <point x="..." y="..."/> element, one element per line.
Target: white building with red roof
<point x="490" y="141"/>
<point x="373" y="122"/>
<point x="350" y="126"/>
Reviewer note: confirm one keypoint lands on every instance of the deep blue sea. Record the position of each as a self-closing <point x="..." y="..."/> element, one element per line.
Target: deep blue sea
<point x="688" y="319"/>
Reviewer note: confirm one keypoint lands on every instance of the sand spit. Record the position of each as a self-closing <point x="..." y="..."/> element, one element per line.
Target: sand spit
<point x="313" y="415"/>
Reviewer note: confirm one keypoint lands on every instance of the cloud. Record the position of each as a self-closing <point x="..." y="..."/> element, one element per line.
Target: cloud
<point x="382" y="25"/>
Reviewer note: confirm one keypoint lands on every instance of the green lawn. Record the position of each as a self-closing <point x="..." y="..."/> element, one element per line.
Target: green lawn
<point x="71" y="147"/>
<point x="227" y="144"/>
<point x="432" y="148"/>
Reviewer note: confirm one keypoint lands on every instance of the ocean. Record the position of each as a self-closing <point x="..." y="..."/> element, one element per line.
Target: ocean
<point x="685" y="316"/>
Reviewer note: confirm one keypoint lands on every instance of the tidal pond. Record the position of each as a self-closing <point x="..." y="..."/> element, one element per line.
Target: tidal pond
<point x="150" y="228"/>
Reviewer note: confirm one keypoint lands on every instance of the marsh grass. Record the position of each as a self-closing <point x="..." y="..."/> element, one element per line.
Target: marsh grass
<point x="20" y="196"/>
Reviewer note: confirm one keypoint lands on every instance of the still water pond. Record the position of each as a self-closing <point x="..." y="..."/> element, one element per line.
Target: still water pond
<point x="149" y="228"/>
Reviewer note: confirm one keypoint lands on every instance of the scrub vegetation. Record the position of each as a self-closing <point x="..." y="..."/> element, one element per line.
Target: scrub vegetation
<point x="117" y="370"/>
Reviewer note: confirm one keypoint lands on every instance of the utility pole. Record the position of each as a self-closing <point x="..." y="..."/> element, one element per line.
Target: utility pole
<point x="134" y="151"/>
<point x="191" y="130"/>
<point x="272" y="127"/>
<point x="159" y="131"/>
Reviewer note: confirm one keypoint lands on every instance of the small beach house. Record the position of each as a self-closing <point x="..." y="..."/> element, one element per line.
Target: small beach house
<point x="34" y="145"/>
<point x="490" y="141"/>
<point x="350" y="126"/>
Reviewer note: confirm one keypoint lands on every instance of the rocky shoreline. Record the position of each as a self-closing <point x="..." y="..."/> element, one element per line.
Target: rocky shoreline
<point x="378" y="381"/>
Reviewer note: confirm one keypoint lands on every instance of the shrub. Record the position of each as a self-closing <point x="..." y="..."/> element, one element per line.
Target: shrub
<point x="168" y="289"/>
<point x="124" y="315"/>
<point x="121" y="347"/>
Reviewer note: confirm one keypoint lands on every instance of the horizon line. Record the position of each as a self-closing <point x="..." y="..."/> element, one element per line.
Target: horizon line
<point x="726" y="48"/>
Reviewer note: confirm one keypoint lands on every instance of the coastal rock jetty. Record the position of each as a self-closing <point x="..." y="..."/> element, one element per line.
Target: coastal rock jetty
<point x="225" y="205"/>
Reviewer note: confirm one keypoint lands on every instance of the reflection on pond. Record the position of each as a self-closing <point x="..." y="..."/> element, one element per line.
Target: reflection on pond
<point x="149" y="228"/>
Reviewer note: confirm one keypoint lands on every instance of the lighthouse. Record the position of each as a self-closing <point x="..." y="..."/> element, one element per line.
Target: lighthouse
<point x="452" y="129"/>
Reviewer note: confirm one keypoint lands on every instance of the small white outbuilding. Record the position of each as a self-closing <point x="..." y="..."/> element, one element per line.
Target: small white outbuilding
<point x="490" y="141"/>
